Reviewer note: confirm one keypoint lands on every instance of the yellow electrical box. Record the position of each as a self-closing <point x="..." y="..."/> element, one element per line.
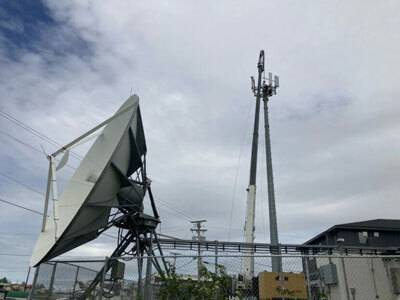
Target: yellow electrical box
<point x="275" y="285"/>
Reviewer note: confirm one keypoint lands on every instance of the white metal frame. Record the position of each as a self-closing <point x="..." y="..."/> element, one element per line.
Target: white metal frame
<point x="52" y="174"/>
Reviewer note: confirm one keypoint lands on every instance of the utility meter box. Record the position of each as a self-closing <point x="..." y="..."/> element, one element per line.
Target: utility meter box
<point x="117" y="270"/>
<point x="395" y="279"/>
<point x="270" y="286"/>
<point x="329" y="274"/>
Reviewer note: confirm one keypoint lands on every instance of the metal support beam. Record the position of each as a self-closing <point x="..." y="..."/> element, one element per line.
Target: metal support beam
<point x="55" y="196"/>
<point x="51" y="285"/>
<point x="273" y="225"/>
<point x="34" y="282"/>
<point x="46" y="200"/>
<point x="161" y="253"/>
<point x="147" y="291"/>
<point x="71" y="144"/>
<point x="76" y="280"/>
<point x="103" y="277"/>
<point x="248" y="263"/>
<point x="346" y="283"/>
<point x="216" y="257"/>
<point x="306" y="266"/>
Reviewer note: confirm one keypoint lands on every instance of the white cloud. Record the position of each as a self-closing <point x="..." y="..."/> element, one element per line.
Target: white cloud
<point x="333" y="123"/>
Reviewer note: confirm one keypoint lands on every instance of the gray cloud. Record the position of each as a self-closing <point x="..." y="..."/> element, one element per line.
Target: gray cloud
<point x="333" y="123"/>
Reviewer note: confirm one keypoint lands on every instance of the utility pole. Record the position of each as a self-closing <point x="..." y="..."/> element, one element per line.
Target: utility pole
<point x="175" y="254"/>
<point x="199" y="237"/>
<point x="249" y="227"/>
<point x="269" y="90"/>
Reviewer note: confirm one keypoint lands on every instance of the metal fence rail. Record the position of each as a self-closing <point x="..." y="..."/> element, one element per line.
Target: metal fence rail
<point x="264" y="248"/>
<point x="333" y="277"/>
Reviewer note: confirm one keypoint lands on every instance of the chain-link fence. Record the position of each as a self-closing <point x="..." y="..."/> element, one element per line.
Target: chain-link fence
<point x="333" y="277"/>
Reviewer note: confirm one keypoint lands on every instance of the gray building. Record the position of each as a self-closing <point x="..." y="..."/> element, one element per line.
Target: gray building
<point x="354" y="276"/>
<point x="378" y="233"/>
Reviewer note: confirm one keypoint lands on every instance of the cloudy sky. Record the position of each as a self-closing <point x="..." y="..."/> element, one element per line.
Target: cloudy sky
<point x="68" y="65"/>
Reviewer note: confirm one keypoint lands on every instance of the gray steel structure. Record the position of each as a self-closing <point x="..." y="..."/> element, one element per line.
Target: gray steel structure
<point x="106" y="190"/>
<point x="265" y="91"/>
<point x="103" y="178"/>
<point x="264" y="248"/>
<point x="248" y="265"/>
<point x="254" y="146"/>
<point x="269" y="90"/>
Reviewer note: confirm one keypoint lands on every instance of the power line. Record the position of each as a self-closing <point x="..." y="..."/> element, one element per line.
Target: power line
<point x="28" y="128"/>
<point x="167" y="205"/>
<point x="162" y="203"/>
<point x="20" y="183"/>
<point x="54" y="143"/>
<point x="18" y="140"/>
<point x="30" y="146"/>
<point x="168" y="236"/>
<point x="237" y="169"/>
<point x="178" y="210"/>
<point x="186" y="264"/>
<point x="14" y="237"/>
<point x="40" y="135"/>
<point x="174" y="227"/>
<point x="13" y="254"/>
<point x="170" y="210"/>
<point x="39" y="213"/>
<point x="35" y="132"/>
<point x="20" y="206"/>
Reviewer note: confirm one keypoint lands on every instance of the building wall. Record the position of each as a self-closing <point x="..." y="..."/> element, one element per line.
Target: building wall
<point x="369" y="277"/>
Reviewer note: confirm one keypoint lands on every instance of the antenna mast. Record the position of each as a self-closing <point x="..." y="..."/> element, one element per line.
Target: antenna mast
<point x="269" y="90"/>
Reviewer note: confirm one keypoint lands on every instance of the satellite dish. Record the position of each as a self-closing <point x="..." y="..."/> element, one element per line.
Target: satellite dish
<point x="111" y="175"/>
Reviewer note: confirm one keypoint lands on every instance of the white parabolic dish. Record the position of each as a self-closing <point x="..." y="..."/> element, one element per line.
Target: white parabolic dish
<point x="86" y="202"/>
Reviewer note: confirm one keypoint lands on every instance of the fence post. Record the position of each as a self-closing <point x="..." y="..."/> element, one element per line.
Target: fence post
<point x="307" y="276"/>
<point x="282" y="279"/>
<point x="27" y="278"/>
<point x="346" y="284"/>
<point x="76" y="280"/>
<point x="373" y="278"/>
<point x="103" y="278"/>
<point x="140" y="265"/>
<point x="147" y="294"/>
<point x="52" y="280"/>
<point x="216" y="257"/>
<point x="198" y="260"/>
<point x="34" y="282"/>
